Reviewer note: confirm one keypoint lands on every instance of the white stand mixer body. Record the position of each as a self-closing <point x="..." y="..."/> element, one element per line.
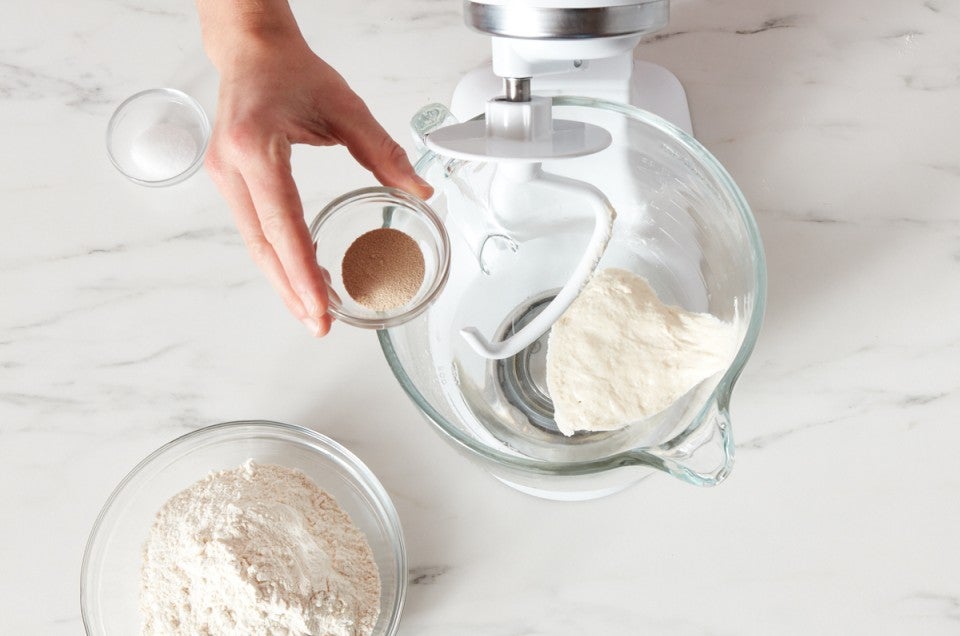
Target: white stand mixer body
<point x="622" y="79"/>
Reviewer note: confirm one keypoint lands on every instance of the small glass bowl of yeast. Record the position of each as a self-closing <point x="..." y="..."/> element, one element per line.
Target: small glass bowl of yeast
<point x="386" y="253"/>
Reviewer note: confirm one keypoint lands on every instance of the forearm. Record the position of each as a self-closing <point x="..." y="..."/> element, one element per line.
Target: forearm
<point x="231" y="28"/>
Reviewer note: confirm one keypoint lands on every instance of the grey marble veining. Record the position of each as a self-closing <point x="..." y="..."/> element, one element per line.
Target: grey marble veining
<point x="129" y="316"/>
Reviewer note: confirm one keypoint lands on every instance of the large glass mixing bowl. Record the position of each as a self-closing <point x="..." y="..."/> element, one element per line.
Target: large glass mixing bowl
<point x="682" y="223"/>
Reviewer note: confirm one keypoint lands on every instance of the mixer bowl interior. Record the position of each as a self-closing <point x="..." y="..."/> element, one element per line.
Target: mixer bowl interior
<point x="681" y="223"/>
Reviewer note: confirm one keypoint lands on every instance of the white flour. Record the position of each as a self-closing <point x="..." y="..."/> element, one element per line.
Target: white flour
<point x="259" y="549"/>
<point x="619" y="355"/>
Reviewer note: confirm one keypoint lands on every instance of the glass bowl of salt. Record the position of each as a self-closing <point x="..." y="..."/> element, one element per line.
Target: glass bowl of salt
<point x="158" y="137"/>
<point x="386" y="254"/>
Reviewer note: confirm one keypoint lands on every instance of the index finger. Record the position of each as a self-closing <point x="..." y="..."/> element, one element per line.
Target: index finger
<point x="375" y="150"/>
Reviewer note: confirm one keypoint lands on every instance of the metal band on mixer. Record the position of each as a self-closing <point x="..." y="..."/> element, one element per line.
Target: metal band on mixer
<point x="559" y="23"/>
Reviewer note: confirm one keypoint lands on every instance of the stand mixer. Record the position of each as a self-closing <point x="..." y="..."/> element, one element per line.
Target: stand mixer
<point x="563" y="156"/>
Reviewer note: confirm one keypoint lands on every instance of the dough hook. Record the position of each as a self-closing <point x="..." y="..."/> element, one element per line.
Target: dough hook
<point x="519" y="133"/>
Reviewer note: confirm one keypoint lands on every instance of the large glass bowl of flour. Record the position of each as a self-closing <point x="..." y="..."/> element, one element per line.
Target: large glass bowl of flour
<point x="110" y="578"/>
<point x="681" y="223"/>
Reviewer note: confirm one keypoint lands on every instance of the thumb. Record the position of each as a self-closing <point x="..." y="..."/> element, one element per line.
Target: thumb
<point x="375" y="150"/>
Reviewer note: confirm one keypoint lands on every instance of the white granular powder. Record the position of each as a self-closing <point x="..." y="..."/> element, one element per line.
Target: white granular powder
<point x="260" y="550"/>
<point x="619" y="355"/>
<point x="163" y="151"/>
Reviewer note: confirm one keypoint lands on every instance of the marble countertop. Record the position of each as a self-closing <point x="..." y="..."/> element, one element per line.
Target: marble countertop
<point x="129" y="316"/>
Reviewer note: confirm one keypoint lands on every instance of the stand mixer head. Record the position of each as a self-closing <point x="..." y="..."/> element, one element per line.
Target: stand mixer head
<point x="572" y="47"/>
<point x="537" y="37"/>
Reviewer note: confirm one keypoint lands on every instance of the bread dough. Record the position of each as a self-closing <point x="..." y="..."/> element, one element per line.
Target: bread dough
<point x="618" y="355"/>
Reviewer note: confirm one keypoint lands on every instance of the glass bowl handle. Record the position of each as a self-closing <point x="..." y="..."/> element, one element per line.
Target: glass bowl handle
<point x="428" y="119"/>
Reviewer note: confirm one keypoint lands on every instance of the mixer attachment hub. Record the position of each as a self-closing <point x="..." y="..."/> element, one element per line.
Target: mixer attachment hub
<point x="519" y="130"/>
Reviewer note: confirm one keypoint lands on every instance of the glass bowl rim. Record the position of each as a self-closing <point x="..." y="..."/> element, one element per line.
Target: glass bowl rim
<point x="720" y="396"/>
<point x="189" y="101"/>
<point x="385" y="510"/>
<point x="419" y="208"/>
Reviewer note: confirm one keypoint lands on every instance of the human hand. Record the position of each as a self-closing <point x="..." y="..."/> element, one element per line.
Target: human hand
<point x="275" y="92"/>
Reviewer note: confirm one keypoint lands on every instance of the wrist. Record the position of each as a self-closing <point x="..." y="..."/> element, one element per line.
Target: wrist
<point x="235" y="29"/>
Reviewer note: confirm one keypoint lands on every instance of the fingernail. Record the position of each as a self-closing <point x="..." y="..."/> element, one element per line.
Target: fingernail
<point x="312" y="325"/>
<point x="325" y="325"/>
